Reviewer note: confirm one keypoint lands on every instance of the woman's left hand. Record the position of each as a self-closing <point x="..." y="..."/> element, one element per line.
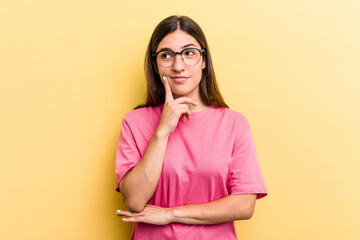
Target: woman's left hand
<point x="151" y="215"/>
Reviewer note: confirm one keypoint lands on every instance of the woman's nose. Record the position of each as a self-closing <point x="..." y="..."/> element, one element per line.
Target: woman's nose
<point x="179" y="64"/>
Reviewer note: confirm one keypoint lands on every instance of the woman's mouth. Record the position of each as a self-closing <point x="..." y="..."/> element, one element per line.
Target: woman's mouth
<point x="179" y="79"/>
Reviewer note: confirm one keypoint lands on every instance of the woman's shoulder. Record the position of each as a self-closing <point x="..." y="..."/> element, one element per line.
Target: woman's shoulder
<point x="234" y="119"/>
<point x="141" y="113"/>
<point x="231" y="114"/>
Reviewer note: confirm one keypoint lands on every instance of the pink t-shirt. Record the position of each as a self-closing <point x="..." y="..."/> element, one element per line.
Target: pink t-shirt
<point x="208" y="157"/>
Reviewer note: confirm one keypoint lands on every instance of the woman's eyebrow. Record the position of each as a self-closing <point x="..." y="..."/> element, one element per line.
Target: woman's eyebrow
<point x="188" y="45"/>
<point x="166" y="49"/>
<point x="185" y="46"/>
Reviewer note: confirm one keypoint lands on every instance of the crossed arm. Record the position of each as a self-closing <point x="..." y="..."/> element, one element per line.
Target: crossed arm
<point x="139" y="184"/>
<point x="229" y="208"/>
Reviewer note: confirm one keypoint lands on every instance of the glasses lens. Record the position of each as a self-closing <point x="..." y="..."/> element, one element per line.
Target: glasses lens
<point x="191" y="56"/>
<point x="165" y="59"/>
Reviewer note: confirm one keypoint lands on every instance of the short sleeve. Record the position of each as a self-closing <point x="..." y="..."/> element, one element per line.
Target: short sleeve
<point x="127" y="153"/>
<point x="245" y="176"/>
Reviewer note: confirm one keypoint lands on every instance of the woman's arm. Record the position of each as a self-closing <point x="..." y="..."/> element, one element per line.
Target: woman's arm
<point x="229" y="208"/>
<point x="138" y="185"/>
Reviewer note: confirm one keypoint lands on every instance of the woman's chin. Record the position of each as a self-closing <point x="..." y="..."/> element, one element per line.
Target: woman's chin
<point x="178" y="94"/>
<point x="181" y="92"/>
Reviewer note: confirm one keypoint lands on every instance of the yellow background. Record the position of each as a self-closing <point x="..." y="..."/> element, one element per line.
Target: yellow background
<point x="71" y="70"/>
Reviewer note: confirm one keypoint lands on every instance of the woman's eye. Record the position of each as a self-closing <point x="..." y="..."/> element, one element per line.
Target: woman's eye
<point x="165" y="55"/>
<point x="189" y="52"/>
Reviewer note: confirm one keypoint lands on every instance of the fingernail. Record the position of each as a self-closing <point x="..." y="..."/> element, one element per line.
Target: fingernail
<point x="118" y="211"/>
<point x="164" y="78"/>
<point x="124" y="219"/>
<point x="196" y="102"/>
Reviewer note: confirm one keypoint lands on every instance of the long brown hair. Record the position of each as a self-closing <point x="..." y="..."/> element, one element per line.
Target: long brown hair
<point x="209" y="90"/>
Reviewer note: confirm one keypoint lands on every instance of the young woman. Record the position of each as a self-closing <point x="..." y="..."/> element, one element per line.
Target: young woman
<point x="186" y="164"/>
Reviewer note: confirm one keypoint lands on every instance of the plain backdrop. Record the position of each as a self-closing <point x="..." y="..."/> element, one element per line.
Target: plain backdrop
<point x="71" y="70"/>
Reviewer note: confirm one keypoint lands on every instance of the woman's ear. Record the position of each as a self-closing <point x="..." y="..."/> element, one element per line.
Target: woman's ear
<point x="204" y="63"/>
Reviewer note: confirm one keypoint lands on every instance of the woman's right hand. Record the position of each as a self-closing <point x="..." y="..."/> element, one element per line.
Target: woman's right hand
<point x="173" y="109"/>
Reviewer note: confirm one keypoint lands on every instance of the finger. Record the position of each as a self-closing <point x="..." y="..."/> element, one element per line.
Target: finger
<point x="183" y="111"/>
<point x="183" y="118"/>
<point x="186" y="113"/>
<point x="131" y="219"/>
<point x="185" y="100"/>
<point x="168" y="94"/>
<point x="127" y="213"/>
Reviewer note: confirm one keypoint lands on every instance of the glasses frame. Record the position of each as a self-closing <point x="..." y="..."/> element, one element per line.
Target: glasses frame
<point x="201" y="51"/>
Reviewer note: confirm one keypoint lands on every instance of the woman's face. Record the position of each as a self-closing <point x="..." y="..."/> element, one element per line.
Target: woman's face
<point x="183" y="79"/>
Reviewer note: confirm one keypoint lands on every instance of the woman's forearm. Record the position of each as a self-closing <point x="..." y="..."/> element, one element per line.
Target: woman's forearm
<point x="140" y="183"/>
<point x="229" y="208"/>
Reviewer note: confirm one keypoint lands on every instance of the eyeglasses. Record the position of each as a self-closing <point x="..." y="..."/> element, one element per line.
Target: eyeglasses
<point x="190" y="56"/>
